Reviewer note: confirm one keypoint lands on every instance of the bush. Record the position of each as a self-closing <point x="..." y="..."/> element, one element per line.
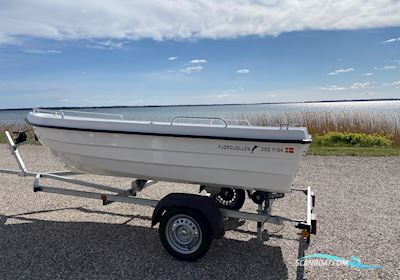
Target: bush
<point x="352" y="139"/>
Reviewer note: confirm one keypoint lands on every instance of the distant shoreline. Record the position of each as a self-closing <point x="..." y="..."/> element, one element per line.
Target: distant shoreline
<point x="200" y="105"/>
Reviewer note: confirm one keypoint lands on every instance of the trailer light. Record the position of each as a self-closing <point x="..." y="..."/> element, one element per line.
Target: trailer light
<point x="305" y="233"/>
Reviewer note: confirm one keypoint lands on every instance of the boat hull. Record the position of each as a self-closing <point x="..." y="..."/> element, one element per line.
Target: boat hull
<point x="255" y="165"/>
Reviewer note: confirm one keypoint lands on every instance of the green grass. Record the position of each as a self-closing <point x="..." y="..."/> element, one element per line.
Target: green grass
<point x="353" y="151"/>
<point x="346" y="139"/>
<point x="353" y="144"/>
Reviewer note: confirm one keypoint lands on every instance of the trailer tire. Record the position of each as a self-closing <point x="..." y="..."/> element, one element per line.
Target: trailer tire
<point x="185" y="233"/>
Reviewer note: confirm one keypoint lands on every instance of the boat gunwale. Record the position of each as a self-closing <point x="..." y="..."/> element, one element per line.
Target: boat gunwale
<point x="304" y="141"/>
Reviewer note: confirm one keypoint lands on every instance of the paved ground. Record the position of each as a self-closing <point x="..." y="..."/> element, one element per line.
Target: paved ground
<point x="47" y="236"/>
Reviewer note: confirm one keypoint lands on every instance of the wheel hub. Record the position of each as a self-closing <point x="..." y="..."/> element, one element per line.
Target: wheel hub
<point x="183" y="234"/>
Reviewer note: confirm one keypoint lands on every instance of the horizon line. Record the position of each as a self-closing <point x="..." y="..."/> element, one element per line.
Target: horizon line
<point x="193" y="105"/>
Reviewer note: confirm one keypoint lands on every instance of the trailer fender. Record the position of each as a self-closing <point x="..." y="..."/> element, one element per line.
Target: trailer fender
<point x="202" y="204"/>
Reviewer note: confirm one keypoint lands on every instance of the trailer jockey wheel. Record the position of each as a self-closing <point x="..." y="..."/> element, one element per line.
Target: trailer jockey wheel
<point x="230" y="198"/>
<point x="185" y="233"/>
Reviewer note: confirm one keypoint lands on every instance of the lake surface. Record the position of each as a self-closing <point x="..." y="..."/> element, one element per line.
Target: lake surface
<point x="229" y="111"/>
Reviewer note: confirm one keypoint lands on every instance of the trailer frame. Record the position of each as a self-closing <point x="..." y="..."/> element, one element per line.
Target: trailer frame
<point x="109" y="194"/>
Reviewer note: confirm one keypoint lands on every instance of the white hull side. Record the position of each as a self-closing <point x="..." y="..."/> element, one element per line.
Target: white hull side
<point x="245" y="164"/>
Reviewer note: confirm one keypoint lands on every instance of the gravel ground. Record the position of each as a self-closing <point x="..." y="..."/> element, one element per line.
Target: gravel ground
<point x="47" y="236"/>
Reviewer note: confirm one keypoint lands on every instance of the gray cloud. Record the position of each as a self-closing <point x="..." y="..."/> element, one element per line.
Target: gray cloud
<point x="162" y="20"/>
<point x="105" y="45"/>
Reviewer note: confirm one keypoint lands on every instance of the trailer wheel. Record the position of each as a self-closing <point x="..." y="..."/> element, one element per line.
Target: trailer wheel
<point x="185" y="234"/>
<point x="230" y="198"/>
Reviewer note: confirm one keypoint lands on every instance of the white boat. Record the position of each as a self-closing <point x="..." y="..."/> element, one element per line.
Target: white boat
<point x="217" y="153"/>
<point x="187" y="222"/>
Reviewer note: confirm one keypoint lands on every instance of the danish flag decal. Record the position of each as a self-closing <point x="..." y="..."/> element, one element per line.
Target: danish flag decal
<point x="289" y="150"/>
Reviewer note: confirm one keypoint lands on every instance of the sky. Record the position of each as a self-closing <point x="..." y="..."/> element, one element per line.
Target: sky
<point x="117" y="52"/>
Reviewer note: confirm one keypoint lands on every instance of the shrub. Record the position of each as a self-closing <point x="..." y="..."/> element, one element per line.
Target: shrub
<point x="352" y="139"/>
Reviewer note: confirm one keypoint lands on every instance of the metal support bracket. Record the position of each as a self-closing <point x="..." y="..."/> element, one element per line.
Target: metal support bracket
<point x="309" y="226"/>
<point x="14" y="151"/>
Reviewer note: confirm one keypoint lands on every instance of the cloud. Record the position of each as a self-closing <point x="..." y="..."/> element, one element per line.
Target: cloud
<point x="228" y="93"/>
<point x="172" y="58"/>
<point x="392" y="40"/>
<point x="356" y="85"/>
<point x="389" y="67"/>
<point x="333" y="88"/>
<point x="197" y="61"/>
<point x="396" y="84"/>
<point x="360" y="85"/>
<point x="367" y="74"/>
<point x="54" y="51"/>
<point x="190" y="70"/>
<point x="105" y="45"/>
<point x="243" y="71"/>
<point x="38" y="51"/>
<point x="342" y="70"/>
<point x="223" y="95"/>
<point x="186" y="19"/>
<point x="386" y="67"/>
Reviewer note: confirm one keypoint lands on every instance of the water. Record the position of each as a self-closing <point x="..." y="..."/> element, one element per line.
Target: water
<point x="229" y="111"/>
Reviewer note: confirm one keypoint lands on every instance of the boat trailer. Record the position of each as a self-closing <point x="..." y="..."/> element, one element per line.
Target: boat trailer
<point x="184" y="218"/>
